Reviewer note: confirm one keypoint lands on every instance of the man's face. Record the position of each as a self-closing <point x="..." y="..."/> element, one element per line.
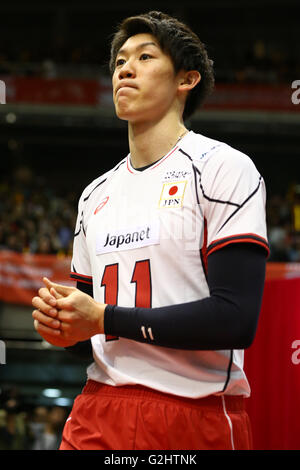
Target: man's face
<point x="144" y="81"/>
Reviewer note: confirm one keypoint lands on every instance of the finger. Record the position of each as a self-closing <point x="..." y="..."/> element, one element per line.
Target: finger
<point x="55" y="294"/>
<point x="39" y="304"/>
<point x="65" y="303"/>
<point x="42" y="329"/>
<point x="45" y="319"/>
<point x="45" y="294"/>
<point x="60" y="289"/>
<point x="65" y="327"/>
<point x="65" y="316"/>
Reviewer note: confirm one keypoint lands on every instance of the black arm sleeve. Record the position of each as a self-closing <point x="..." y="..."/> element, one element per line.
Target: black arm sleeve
<point x="83" y="349"/>
<point x="227" y="319"/>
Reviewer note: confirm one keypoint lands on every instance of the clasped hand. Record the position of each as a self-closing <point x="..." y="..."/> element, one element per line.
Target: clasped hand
<point x="64" y="315"/>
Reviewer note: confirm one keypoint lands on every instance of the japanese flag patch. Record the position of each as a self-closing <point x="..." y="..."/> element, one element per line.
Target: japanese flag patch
<point x="172" y="194"/>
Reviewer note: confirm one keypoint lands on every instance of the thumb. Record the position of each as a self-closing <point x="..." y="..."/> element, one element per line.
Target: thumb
<point x="64" y="291"/>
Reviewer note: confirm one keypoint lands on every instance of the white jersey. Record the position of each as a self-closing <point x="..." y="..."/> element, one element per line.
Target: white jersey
<point x="142" y="238"/>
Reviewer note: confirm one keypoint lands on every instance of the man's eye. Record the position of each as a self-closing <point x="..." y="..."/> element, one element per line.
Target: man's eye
<point x="120" y="62"/>
<point x="145" y="56"/>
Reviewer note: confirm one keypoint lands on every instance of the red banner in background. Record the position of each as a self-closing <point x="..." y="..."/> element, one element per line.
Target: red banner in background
<point x="58" y="91"/>
<point x="66" y="91"/>
<point x="272" y="365"/>
<point x="21" y="275"/>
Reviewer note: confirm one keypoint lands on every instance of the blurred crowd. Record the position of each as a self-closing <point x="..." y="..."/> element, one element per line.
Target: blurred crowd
<point x="260" y="63"/>
<point x="283" y="220"/>
<point x="57" y="61"/>
<point x="34" y="217"/>
<point x="263" y="64"/>
<point x="29" y="427"/>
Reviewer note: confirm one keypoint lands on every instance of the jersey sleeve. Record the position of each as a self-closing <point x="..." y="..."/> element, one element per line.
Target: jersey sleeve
<point x="234" y="197"/>
<point x="80" y="266"/>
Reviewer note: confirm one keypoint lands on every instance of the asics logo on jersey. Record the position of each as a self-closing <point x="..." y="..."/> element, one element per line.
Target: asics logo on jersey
<point x="102" y="204"/>
<point x="128" y="239"/>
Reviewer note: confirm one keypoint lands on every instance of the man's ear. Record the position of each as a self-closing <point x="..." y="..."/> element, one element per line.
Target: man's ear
<point x="188" y="80"/>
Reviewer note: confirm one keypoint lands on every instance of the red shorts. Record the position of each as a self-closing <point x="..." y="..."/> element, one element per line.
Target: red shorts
<point x="135" y="418"/>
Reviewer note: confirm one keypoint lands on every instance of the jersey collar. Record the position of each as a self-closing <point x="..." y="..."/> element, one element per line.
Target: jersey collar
<point x="154" y="165"/>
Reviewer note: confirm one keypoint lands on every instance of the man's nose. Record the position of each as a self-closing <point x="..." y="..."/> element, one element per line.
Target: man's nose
<point x="127" y="70"/>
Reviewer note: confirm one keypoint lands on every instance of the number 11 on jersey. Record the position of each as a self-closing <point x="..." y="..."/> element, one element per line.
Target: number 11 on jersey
<point x="141" y="277"/>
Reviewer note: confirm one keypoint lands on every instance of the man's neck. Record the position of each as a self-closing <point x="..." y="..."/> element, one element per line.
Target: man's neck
<point x="150" y="142"/>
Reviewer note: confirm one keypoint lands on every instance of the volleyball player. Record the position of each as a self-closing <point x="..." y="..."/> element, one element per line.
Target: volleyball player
<point x="169" y="257"/>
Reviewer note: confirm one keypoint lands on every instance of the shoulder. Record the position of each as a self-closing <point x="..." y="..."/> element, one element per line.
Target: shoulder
<point x="215" y="155"/>
<point x="99" y="181"/>
<point x="223" y="172"/>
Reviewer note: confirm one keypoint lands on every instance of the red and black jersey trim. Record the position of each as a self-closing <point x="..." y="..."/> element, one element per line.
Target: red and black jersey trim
<point x="81" y="278"/>
<point x="241" y="238"/>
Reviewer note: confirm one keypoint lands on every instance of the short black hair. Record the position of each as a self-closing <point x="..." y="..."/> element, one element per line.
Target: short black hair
<point x="177" y="40"/>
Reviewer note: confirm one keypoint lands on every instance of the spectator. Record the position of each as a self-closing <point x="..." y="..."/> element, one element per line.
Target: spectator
<point x="34" y="220"/>
<point x="282" y="234"/>
<point x="49" y="429"/>
<point x="37" y="425"/>
<point x="14" y="430"/>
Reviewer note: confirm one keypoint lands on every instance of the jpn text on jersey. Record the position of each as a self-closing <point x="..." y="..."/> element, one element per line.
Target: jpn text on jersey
<point x="2" y="352"/>
<point x="2" y="92"/>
